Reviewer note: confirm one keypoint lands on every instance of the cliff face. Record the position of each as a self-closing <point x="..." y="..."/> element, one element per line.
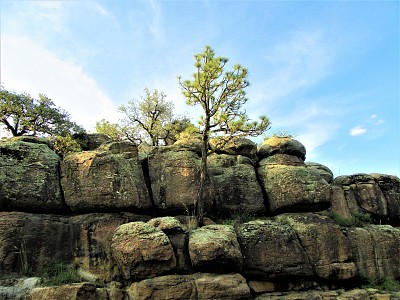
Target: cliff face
<point x="275" y="223"/>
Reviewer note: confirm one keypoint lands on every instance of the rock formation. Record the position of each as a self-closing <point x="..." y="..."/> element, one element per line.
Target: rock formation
<point x="276" y="227"/>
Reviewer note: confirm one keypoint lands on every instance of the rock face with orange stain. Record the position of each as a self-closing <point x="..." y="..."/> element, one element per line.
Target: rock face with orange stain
<point x="108" y="179"/>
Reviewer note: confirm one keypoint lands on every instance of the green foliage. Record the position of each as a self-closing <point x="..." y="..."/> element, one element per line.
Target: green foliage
<point x="283" y="134"/>
<point x="23" y="115"/>
<point x="151" y="119"/>
<point x="64" y="145"/>
<point x="386" y="284"/>
<point x="111" y="130"/>
<point x="356" y="220"/>
<point x="59" y="274"/>
<point x="222" y="96"/>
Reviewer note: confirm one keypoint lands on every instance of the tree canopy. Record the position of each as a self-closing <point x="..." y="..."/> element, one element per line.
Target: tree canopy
<point x="23" y="115"/>
<point x="150" y="119"/>
<point x="222" y="97"/>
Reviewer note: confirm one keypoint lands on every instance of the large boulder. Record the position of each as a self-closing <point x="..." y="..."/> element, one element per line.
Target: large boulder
<point x="214" y="248"/>
<point x="237" y="189"/>
<point x="363" y="194"/>
<point x="108" y="180"/>
<point x="376" y="250"/>
<point x="29" y="176"/>
<point x="80" y="291"/>
<point x="271" y="249"/>
<point x="169" y="287"/>
<point x="233" y="146"/>
<point x="390" y="187"/>
<point x="142" y="251"/>
<point x="222" y="286"/>
<point x="292" y="186"/>
<point x="326" y="246"/>
<point x="31" y="242"/>
<point x="175" y="179"/>
<point x="281" y="145"/>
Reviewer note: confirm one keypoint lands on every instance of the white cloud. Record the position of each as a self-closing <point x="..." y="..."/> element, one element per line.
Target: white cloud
<point x="29" y="67"/>
<point x="358" y="130"/>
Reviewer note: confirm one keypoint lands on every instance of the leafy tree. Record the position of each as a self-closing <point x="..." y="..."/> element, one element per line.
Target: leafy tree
<point x="151" y="119"/>
<point x="221" y="96"/>
<point x="111" y="130"/>
<point x="23" y="115"/>
<point x="64" y="145"/>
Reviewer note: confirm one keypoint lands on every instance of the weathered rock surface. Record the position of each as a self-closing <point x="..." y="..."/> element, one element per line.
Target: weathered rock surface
<point x="30" y="242"/>
<point x="93" y="251"/>
<point x="235" y="146"/>
<point x="175" y="178"/>
<point x="271" y="249"/>
<point x="374" y="194"/>
<point x="376" y="250"/>
<point x="326" y="246"/>
<point x="221" y="286"/>
<point x="105" y="180"/>
<point x="292" y="186"/>
<point x="142" y="251"/>
<point x="325" y="172"/>
<point x="29" y="177"/>
<point x="281" y="145"/>
<point x="237" y="189"/>
<point x="169" y="287"/>
<point x="81" y="291"/>
<point x="17" y="289"/>
<point x="215" y="248"/>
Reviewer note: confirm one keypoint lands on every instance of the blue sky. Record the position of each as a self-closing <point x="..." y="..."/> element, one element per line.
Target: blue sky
<point x="325" y="71"/>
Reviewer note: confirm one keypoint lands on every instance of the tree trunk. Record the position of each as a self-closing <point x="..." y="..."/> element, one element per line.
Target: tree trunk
<point x="203" y="178"/>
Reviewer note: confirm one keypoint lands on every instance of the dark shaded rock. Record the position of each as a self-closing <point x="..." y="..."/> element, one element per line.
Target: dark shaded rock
<point x="91" y="141"/>
<point x="175" y="178"/>
<point x="281" y="145"/>
<point x="93" y="252"/>
<point x="142" y="251"/>
<point x="271" y="249"/>
<point x="390" y="187"/>
<point x="214" y="248"/>
<point x="31" y="242"/>
<point x="98" y="180"/>
<point x="29" y="176"/>
<point x="237" y="189"/>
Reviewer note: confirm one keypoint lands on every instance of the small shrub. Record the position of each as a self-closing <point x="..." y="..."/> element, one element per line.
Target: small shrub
<point x="59" y="274"/>
<point x="386" y="284"/>
<point x="341" y="220"/>
<point x="64" y="145"/>
<point x="361" y="219"/>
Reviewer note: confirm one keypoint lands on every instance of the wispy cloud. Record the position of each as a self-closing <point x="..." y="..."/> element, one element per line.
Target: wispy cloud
<point x="41" y="71"/>
<point x="358" y="130"/>
<point x="154" y="24"/>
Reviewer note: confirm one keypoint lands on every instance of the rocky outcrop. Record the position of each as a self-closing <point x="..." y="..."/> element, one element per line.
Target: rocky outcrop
<point x="237" y="189"/>
<point x="175" y="177"/>
<point x="29" y="176"/>
<point x="84" y="291"/>
<point x="110" y="179"/>
<point x="376" y="250"/>
<point x="215" y="247"/>
<point x="142" y="251"/>
<point x="327" y="248"/>
<point x="290" y="184"/>
<point x="374" y="194"/>
<point x="30" y="242"/>
<point x="271" y="249"/>
<point x="234" y="146"/>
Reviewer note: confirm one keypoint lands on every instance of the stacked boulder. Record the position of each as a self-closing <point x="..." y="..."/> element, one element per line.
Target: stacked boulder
<point x="104" y="211"/>
<point x="290" y="184"/>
